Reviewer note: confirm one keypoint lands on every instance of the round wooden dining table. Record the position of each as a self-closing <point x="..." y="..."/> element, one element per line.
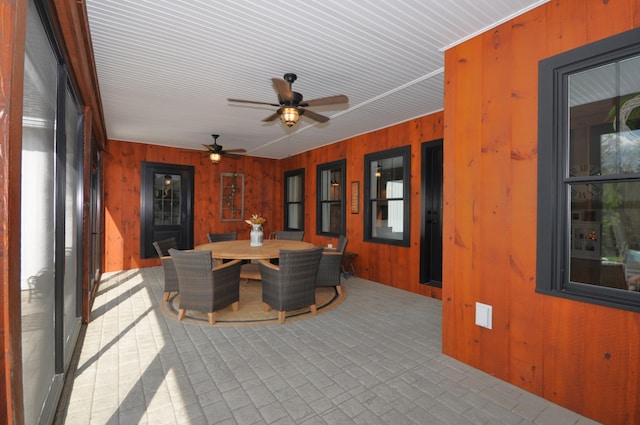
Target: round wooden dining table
<point x="242" y="249"/>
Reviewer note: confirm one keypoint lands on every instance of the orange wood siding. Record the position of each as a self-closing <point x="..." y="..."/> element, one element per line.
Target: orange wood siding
<point x="581" y="356"/>
<point x="392" y="265"/>
<point x="263" y="194"/>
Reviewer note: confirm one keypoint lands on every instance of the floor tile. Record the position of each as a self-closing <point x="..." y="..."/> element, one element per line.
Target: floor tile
<point x="375" y="359"/>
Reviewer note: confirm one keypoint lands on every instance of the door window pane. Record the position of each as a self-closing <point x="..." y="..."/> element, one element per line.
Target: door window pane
<point x="166" y="203"/>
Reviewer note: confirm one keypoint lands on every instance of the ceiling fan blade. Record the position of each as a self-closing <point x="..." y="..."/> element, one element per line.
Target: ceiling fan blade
<point x="231" y="155"/>
<point x="212" y="148"/>
<point x="253" y="101"/>
<point x="331" y="100"/>
<point x="313" y="115"/>
<point x="272" y="117"/>
<point x="240" y="150"/>
<point x="282" y="88"/>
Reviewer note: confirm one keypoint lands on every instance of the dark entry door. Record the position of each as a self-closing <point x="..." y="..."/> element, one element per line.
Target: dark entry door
<point x="166" y="205"/>
<point x="431" y="211"/>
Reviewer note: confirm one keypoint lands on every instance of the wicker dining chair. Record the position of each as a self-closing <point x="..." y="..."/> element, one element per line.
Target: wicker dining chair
<point x="204" y="288"/>
<point x="162" y="248"/>
<point x="330" y="266"/>
<point x="291" y="284"/>
<point x="219" y="237"/>
<point x="290" y="235"/>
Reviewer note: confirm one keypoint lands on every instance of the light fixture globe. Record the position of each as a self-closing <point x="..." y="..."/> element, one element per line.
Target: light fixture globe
<point x="214" y="157"/>
<point x="289" y="115"/>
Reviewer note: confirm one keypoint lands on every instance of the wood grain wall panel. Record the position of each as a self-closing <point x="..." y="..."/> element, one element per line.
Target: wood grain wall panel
<point x="566" y="26"/>
<point x="391" y="265"/>
<point x="600" y="18"/>
<point x="525" y="314"/>
<point x="611" y="356"/>
<point x="122" y="196"/>
<point x="579" y="355"/>
<point x="588" y="343"/>
<point x="462" y="149"/>
<point x="493" y="204"/>
<point x="449" y="307"/>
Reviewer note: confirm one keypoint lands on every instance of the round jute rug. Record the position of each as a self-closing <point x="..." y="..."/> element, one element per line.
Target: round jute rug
<point x="250" y="312"/>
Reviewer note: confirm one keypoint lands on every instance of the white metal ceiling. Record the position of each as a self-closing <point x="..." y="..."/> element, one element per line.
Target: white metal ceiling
<point x="167" y="67"/>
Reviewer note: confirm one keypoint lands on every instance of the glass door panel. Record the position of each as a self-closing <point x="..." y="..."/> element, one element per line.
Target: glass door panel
<point x="37" y="277"/>
<point x="72" y="241"/>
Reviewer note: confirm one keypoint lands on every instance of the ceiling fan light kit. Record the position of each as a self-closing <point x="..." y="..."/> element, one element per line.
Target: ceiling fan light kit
<point x="290" y="104"/>
<point x="289" y="116"/>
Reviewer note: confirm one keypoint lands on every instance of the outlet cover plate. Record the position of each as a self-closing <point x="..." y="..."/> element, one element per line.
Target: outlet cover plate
<point x="484" y="315"/>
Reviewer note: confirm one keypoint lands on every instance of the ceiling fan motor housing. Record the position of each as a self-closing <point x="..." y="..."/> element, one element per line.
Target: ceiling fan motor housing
<point x="295" y="100"/>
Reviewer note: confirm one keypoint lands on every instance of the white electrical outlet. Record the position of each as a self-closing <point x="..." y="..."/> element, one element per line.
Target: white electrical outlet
<point x="483" y="315"/>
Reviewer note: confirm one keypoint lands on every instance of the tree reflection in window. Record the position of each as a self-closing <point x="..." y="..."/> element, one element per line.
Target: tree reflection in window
<point x="588" y="245"/>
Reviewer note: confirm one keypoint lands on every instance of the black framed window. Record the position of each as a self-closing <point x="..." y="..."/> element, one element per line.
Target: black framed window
<point x="330" y="206"/>
<point x="294" y="200"/>
<point x="386" y="196"/>
<point x="589" y="173"/>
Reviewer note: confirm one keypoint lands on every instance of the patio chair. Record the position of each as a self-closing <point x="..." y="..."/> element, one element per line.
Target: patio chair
<point x="291" y="284"/>
<point x="204" y="288"/>
<point x="290" y="235"/>
<point x="218" y="237"/>
<point x="170" y="276"/>
<point x="331" y="265"/>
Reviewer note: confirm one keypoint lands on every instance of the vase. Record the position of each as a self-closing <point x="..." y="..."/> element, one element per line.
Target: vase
<point x="256" y="235"/>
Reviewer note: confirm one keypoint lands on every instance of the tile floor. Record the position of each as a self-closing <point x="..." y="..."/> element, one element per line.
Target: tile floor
<point x="376" y="359"/>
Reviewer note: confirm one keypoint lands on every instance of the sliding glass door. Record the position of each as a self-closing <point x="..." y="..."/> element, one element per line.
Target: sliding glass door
<point x="51" y="217"/>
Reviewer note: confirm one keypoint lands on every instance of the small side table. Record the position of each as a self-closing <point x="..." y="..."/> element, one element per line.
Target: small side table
<point x="347" y="263"/>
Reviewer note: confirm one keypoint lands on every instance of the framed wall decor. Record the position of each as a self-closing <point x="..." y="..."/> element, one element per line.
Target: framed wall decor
<point x="231" y="197"/>
<point x="355" y="197"/>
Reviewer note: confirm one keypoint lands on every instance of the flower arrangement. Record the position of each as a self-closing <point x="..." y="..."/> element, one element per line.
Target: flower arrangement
<point x="256" y="219"/>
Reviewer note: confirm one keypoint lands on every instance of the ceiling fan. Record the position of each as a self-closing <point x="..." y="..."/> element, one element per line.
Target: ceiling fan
<point x="216" y="152"/>
<point x="290" y="104"/>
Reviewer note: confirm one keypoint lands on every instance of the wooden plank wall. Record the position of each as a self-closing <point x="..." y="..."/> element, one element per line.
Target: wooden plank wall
<point x="392" y="265"/>
<point x="263" y="194"/>
<point x="581" y="356"/>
